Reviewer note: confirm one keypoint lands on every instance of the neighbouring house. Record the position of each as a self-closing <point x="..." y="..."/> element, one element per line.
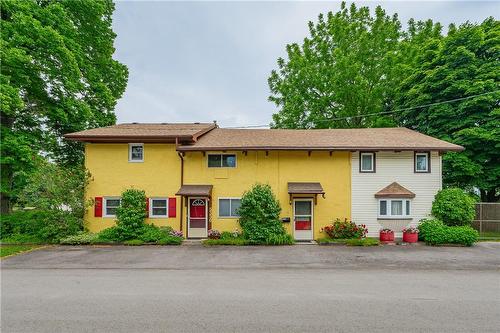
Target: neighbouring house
<point x="195" y="174"/>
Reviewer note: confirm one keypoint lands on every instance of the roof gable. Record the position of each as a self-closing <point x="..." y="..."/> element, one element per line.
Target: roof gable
<point x="394" y="190"/>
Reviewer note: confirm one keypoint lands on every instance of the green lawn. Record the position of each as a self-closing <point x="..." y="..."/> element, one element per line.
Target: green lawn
<point x="7" y="250"/>
<point x="350" y="242"/>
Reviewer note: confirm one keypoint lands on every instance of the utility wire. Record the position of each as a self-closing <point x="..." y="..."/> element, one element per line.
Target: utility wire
<point x="385" y="112"/>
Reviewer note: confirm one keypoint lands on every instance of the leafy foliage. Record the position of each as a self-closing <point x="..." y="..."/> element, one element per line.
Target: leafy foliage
<point x="346" y="67"/>
<point x="82" y="238"/>
<point x="345" y="229"/>
<point x="51" y="187"/>
<point x="435" y="232"/>
<point x="259" y="215"/>
<point x="57" y="76"/>
<point x="38" y="226"/>
<point x="131" y="214"/>
<point x="454" y="207"/>
<point x="134" y="242"/>
<point x="464" y="63"/>
<point x="227" y="241"/>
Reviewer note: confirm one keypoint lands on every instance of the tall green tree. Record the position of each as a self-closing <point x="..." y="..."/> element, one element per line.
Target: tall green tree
<point x="464" y="63"/>
<point x="346" y="67"/>
<point x="57" y="76"/>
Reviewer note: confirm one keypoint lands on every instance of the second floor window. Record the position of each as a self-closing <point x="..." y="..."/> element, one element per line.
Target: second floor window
<point x="222" y="161"/>
<point x="136" y="152"/>
<point x="366" y="162"/>
<point x="422" y="162"/>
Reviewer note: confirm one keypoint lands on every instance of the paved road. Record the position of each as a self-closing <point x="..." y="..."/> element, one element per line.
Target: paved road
<point x="252" y="289"/>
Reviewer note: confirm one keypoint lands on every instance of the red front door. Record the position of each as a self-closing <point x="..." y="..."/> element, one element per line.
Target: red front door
<point x="197" y="219"/>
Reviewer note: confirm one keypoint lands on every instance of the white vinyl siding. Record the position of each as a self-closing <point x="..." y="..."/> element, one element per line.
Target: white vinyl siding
<point x="393" y="167"/>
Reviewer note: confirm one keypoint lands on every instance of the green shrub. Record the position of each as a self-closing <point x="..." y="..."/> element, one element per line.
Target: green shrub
<point x="22" y="239"/>
<point x="44" y="226"/>
<point x="170" y="240"/>
<point x="109" y="235"/>
<point x="259" y="215"/>
<point x="83" y="238"/>
<point x="454" y="207"/>
<point x="434" y="232"/>
<point x="426" y="226"/>
<point x="285" y="239"/>
<point x="134" y="242"/>
<point x="151" y="234"/>
<point x="131" y="214"/>
<point x="345" y="229"/>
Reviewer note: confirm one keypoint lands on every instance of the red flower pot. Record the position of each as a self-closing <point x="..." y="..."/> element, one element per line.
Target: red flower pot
<point x="410" y="237"/>
<point x="387" y="236"/>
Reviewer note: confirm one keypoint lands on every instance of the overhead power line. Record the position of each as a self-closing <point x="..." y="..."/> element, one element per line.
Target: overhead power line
<point x="385" y="112"/>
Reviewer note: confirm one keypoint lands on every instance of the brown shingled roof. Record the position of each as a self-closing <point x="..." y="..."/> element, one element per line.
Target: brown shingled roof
<point x="135" y="132"/>
<point x="195" y="190"/>
<point x="397" y="138"/>
<point x="394" y="190"/>
<point x="305" y="188"/>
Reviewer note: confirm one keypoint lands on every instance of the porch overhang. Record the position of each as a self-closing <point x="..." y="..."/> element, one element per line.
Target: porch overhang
<point x="304" y="189"/>
<point x="195" y="191"/>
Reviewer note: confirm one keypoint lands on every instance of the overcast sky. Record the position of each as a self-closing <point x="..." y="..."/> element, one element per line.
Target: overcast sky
<point x="204" y="61"/>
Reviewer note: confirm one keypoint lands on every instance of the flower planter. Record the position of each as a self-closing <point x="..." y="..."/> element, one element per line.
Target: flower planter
<point x="410" y="237"/>
<point x="387" y="236"/>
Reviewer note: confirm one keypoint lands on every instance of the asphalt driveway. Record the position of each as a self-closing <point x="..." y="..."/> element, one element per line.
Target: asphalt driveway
<point x="304" y="288"/>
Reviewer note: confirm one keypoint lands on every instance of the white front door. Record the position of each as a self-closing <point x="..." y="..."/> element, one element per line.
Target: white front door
<point x="197" y="217"/>
<point x="303" y="219"/>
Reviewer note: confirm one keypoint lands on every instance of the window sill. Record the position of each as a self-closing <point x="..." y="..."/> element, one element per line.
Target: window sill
<point x="228" y="217"/>
<point x="158" y="217"/>
<point x="395" y="218"/>
<point x="131" y="161"/>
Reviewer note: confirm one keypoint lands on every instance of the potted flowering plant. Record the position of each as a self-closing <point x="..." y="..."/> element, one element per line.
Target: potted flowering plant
<point x="386" y="235"/>
<point x="213" y="234"/>
<point x="410" y="235"/>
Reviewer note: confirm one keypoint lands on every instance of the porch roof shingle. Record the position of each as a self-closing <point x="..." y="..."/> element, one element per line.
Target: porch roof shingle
<point x="305" y="188"/>
<point x="394" y="190"/>
<point x="195" y="190"/>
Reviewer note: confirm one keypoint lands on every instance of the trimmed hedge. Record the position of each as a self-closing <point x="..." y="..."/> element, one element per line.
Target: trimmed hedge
<point x="435" y="232"/>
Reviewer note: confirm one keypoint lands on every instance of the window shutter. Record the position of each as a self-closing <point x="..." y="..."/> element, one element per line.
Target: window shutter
<point x="98" y="206"/>
<point x="147" y="207"/>
<point x="172" y="207"/>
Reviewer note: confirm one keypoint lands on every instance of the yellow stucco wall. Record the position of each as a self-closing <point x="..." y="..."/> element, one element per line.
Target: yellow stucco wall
<point x="159" y="176"/>
<point x="277" y="169"/>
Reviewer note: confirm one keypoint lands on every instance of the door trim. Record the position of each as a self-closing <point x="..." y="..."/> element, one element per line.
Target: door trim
<point x="188" y="215"/>
<point x="311" y="200"/>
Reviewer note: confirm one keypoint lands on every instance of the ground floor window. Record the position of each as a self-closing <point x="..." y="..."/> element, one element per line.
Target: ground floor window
<point x="110" y="206"/>
<point x="394" y="208"/>
<point x="158" y="207"/>
<point x="228" y="207"/>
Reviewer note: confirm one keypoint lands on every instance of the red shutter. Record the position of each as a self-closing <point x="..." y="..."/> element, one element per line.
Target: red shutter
<point x="147" y="207"/>
<point x="172" y="207"/>
<point x="98" y="207"/>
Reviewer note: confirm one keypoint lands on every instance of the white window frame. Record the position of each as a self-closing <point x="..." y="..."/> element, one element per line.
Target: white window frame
<point x="105" y="205"/>
<point x="428" y="157"/>
<point x="153" y="216"/>
<point x="218" y="207"/>
<point x="130" y="145"/>
<point x="222" y="167"/>
<point x="389" y="201"/>
<point x="372" y="155"/>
